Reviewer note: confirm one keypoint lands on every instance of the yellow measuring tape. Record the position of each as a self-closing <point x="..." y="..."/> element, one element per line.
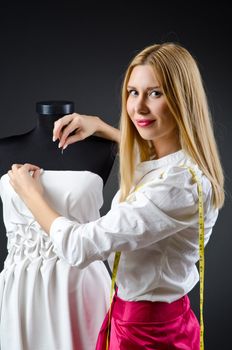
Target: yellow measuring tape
<point x="201" y="262"/>
<point x="114" y="274"/>
<point x="201" y="252"/>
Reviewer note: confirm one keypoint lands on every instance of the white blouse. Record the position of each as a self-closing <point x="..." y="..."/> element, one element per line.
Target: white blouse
<point x="156" y="231"/>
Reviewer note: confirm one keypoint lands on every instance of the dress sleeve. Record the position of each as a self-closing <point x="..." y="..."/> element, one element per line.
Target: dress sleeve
<point x="157" y="210"/>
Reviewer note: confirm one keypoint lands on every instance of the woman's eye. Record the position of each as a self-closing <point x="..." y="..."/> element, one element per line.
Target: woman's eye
<point x="155" y="93"/>
<point x="132" y="92"/>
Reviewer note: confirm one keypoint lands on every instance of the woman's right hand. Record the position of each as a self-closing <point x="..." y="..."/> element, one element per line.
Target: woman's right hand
<point x="74" y="127"/>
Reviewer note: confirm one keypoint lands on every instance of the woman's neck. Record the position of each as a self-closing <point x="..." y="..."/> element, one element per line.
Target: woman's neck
<point x="166" y="150"/>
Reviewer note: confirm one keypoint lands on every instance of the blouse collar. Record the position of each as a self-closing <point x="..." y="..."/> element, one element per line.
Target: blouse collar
<point x="149" y="165"/>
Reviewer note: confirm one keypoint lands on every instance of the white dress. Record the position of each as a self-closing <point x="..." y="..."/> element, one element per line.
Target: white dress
<point x="45" y="303"/>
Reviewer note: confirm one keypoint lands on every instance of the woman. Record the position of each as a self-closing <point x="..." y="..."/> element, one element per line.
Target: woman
<point x="168" y="158"/>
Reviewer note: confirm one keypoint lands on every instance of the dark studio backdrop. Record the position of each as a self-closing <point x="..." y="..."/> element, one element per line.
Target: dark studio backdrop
<point x="72" y="52"/>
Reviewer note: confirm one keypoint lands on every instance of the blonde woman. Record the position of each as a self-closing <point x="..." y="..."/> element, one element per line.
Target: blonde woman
<point x="168" y="158"/>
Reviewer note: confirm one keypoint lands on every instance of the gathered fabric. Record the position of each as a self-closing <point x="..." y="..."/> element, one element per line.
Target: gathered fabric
<point x="146" y="325"/>
<point x="45" y="303"/>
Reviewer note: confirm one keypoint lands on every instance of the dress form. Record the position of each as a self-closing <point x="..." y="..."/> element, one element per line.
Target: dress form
<point x="49" y="287"/>
<point x="94" y="154"/>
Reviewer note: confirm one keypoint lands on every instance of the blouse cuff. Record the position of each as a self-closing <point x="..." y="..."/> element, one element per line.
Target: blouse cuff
<point x="56" y="226"/>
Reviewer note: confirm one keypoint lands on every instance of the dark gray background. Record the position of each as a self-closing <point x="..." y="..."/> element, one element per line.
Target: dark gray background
<point x="80" y="53"/>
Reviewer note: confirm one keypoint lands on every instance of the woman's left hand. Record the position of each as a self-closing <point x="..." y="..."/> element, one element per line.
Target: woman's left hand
<point x="24" y="178"/>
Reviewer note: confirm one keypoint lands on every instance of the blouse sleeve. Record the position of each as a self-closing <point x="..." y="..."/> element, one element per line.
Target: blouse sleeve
<point x="155" y="211"/>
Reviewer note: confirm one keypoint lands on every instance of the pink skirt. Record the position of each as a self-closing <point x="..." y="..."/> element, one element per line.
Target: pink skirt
<point x="146" y="325"/>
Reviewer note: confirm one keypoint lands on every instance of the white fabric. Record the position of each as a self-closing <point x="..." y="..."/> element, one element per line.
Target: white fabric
<point x="156" y="230"/>
<point x="46" y="304"/>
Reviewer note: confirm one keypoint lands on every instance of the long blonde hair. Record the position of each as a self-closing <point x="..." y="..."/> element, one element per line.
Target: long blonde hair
<point x="181" y="83"/>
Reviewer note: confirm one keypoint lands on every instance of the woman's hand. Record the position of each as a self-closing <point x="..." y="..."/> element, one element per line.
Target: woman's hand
<point x="25" y="180"/>
<point x="74" y="127"/>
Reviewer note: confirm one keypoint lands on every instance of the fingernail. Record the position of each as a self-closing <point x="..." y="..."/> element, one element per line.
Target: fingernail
<point x="59" y="145"/>
<point x="54" y="139"/>
<point x="65" y="146"/>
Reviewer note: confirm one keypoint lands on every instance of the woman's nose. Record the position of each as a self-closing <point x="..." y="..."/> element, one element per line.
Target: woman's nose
<point x="141" y="106"/>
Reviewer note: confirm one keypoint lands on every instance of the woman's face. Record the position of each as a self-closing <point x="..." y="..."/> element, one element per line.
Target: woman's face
<point x="149" y="112"/>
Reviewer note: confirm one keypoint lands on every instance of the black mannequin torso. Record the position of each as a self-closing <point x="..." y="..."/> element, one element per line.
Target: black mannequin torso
<point x="94" y="154"/>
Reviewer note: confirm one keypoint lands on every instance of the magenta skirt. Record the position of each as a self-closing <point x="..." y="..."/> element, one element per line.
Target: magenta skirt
<point x="145" y="325"/>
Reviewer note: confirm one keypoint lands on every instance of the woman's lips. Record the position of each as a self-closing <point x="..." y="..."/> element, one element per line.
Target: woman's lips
<point x="144" y="122"/>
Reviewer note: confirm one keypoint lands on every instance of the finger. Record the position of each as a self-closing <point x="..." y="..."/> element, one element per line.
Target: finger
<point x="68" y="132"/>
<point x="10" y="174"/>
<point x="72" y="139"/>
<point x="31" y="167"/>
<point x="15" y="167"/>
<point x="36" y="174"/>
<point x="59" y="124"/>
<point x="25" y="167"/>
